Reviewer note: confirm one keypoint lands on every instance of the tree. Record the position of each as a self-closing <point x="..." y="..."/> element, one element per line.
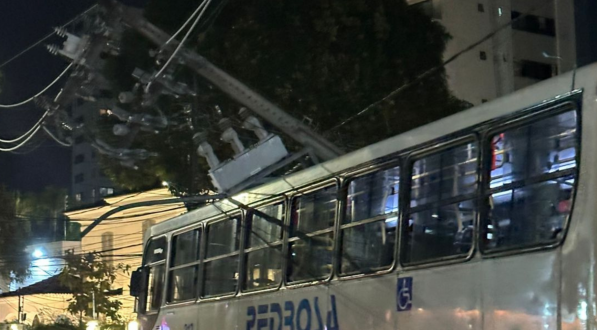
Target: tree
<point x="14" y="234"/>
<point x="325" y="60"/>
<point x="91" y="279"/>
<point x="44" y="212"/>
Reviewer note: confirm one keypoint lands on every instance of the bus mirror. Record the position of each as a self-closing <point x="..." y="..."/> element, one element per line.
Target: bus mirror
<point x="137" y="279"/>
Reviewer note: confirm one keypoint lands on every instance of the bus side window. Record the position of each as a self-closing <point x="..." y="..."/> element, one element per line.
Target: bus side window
<point x="156" y="287"/>
<point x="529" y="196"/>
<point x="440" y="220"/>
<point x="155" y="261"/>
<point x="311" y="235"/>
<point x="368" y="229"/>
<point x="220" y="266"/>
<point x="263" y="253"/>
<point x="184" y="266"/>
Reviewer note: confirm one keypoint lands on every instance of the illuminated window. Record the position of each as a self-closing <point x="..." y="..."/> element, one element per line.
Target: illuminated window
<point x="532" y="175"/>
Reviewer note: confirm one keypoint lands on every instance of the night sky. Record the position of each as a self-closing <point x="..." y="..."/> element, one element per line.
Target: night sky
<point x="22" y="23"/>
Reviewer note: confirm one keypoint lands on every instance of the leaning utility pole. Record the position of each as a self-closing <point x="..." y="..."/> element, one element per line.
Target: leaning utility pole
<point x="228" y="84"/>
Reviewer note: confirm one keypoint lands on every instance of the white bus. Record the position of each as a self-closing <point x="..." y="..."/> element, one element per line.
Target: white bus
<point x="482" y="220"/>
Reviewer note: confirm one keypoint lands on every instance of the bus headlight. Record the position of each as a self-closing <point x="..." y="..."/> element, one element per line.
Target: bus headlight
<point x="133" y="325"/>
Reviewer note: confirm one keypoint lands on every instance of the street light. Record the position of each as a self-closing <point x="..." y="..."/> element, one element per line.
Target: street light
<point x="38" y="253"/>
<point x="133" y="325"/>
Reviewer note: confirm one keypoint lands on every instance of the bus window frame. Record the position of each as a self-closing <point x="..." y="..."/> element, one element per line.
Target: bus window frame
<point x="285" y="201"/>
<point x="346" y="179"/>
<point x="199" y="263"/>
<point x="431" y="148"/>
<point x="206" y="223"/>
<point x="328" y="182"/>
<point x="142" y="300"/>
<point x="572" y="103"/>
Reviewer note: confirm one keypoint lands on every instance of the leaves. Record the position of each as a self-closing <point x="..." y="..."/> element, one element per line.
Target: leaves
<point x="88" y="276"/>
<point x="14" y="236"/>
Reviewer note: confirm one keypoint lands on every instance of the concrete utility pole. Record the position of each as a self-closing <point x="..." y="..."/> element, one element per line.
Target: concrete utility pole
<point x="228" y="84"/>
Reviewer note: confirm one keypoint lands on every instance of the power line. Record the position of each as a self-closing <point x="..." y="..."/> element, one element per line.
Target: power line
<point x="204" y="4"/>
<point x="46" y="37"/>
<point x="22" y="143"/>
<point x="6" y="106"/>
<point x="64" y="144"/>
<point x="29" y="131"/>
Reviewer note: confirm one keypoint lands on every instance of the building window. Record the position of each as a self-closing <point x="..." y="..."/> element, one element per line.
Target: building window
<point x="483" y="56"/>
<point x="79" y="139"/>
<point x="79" y="158"/>
<point x="79" y="197"/>
<point x="79" y="178"/>
<point x="106" y="191"/>
<point x="483" y="100"/>
<point x="80" y="120"/>
<point x="535" y="70"/>
<point x="481" y="8"/>
<point x="107" y="247"/>
<point x="533" y="24"/>
<point x="93" y="193"/>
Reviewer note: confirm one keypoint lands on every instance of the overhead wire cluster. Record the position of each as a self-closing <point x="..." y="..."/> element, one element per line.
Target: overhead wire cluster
<point x="12" y="144"/>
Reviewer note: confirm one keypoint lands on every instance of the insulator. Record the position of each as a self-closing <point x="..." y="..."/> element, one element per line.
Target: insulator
<point x="61" y="31"/>
<point x="53" y="49"/>
<point x="126" y="97"/>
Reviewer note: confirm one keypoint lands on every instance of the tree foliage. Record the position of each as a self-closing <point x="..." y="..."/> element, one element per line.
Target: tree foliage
<point x="88" y="276"/>
<point x="14" y="234"/>
<point x="43" y="211"/>
<point x="324" y="60"/>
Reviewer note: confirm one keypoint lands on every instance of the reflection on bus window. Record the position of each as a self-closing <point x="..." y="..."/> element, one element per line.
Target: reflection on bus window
<point x="442" y="204"/>
<point x="156" y="287"/>
<point x="532" y="178"/>
<point x="368" y="230"/>
<point x="182" y="281"/>
<point x="546" y="146"/>
<point x="264" y="248"/>
<point x="311" y="231"/>
<point x="221" y="260"/>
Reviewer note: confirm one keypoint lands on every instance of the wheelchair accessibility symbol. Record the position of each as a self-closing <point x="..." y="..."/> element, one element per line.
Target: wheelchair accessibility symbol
<point x="404" y="294"/>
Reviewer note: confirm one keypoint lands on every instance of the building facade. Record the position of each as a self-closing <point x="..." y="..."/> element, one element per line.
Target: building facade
<point x="89" y="183"/>
<point x="527" y="41"/>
